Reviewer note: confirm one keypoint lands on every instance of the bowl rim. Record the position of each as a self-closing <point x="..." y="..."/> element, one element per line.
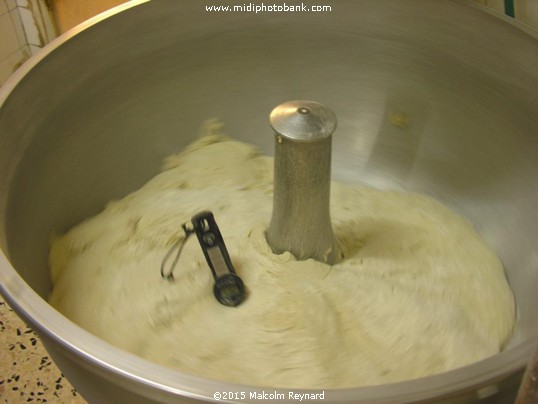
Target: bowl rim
<point x="101" y="355"/>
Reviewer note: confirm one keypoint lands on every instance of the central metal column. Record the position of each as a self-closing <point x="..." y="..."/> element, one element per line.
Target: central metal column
<point x="301" y="222"/>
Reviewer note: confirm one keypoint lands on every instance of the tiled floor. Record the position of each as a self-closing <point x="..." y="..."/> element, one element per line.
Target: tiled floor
<point x="27" y="374"/>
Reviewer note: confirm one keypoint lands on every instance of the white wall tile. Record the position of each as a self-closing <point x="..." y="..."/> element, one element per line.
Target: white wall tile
<point x="33" y="49"/>
<point x="17" y="26"/>
<point x="527" y="12"/>
<point x="44" y="20"/>
<point x="11" y="63"/>
<point x="25" y="27"/>
<point x="30" y="27"/>
<point x="3" y="7"/>
<point x="10" y="41"/>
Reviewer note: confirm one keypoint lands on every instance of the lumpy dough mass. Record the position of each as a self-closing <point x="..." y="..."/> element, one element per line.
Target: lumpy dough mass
<point x="418" y="292"/>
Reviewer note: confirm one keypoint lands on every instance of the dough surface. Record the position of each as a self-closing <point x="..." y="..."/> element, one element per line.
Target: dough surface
<point x="418" y="293"/>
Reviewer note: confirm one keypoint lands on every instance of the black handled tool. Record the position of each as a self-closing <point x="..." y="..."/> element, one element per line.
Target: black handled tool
<point x="229" y="288"/>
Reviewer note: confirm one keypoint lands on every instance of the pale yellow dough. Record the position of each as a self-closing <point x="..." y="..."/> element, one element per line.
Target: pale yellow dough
<point x="418" y="293"/>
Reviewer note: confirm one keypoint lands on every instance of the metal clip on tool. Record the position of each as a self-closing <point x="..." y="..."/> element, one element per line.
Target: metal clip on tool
<point x="229" y="289"/>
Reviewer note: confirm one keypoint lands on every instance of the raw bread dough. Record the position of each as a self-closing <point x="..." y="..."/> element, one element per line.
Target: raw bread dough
<point x="418" y="293"/>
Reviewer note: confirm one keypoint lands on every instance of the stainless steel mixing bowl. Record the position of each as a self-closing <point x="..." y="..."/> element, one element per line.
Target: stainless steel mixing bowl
<point x="435" y="96"/>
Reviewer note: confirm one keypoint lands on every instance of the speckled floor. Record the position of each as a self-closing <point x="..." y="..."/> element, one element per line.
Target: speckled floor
<point x="27" y="373"/>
